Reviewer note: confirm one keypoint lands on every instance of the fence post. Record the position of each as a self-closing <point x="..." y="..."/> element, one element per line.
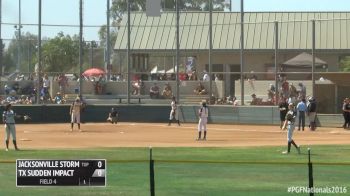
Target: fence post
<point x="151" y="172"/>
<point x="311" y="178"/>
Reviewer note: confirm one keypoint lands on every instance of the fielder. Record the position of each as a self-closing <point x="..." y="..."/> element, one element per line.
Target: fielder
<point x="74" y="112"/>
<point x="174" y="114"/>
<point x="289" y="124"/>
<point x="113" y="116"/>
<point x="8" y="118"/>
<point x="203" y="119"/>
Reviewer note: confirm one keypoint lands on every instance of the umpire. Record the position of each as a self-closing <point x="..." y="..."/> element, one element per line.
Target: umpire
<point x="346" y="113"/>
<point x="311" y="109"/>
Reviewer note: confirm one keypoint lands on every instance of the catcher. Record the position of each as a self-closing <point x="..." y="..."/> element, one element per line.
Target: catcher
<point x="174" y="113"/>
<point x="113" y="116"/>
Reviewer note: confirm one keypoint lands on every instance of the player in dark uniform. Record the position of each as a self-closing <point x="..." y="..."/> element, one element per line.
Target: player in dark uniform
<point x="346" y="113"/>
<point x="283" y="107"/>
<point x="289" y="125"/>
<point x="311" y="109"/>
<point x="113" y="116"/>
<point x="8" y="118"/>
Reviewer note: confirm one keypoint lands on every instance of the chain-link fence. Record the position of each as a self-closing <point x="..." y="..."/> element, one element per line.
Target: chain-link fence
<point x="285" y="55"/>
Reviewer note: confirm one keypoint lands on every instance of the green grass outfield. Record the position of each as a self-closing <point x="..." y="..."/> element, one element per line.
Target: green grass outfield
<point x="192" y="171"/>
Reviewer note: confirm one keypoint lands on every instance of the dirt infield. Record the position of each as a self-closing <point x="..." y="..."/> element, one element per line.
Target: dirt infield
<point x="45" y="136"/>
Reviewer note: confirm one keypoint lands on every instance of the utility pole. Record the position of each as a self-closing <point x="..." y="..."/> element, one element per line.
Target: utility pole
<point x="39" y="55"/>
<point x="80" y="45"/>
<point x="1" y="52"/>
<point x="18" y="29"/>
<point x="108" y="43"/>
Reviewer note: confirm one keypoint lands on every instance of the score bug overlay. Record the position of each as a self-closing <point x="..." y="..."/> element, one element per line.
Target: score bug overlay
<point x="30" y="172"/>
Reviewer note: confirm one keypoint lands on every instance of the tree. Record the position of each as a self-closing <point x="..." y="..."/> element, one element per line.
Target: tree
<point x="61" y="53"/>
<point x="28" y="47"/>
<point x="345" y="64"/>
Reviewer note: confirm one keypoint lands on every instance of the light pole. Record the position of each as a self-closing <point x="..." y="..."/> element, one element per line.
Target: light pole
<point x="1" y="38"/>
<point x="93" y="45"/>
<point x="18" y="29"/>
<point x="18" y="37"/>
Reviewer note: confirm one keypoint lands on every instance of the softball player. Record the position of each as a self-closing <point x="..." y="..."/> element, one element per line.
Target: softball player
<point x="203" y="119"/>
<point x="75" y="109"/>
<point x="8" y="118"/>
<point x="113" y="116"/>
<point x="289" y="124"/>
<point x="174" y="114"/>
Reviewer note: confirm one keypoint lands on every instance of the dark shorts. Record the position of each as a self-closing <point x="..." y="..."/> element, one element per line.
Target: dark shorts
<point x="282" y="117"/>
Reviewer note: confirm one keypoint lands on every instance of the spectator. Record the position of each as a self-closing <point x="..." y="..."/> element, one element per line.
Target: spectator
<point x="7" y="89"/>
<point x="255" y="100"/>
<point x="302" y="91"/>
<point x="75" y="77"/>
<point x="252" y="79"/>
<point x="46" y="83"/>
<point x="58" y="99"/>
<point x="293" y="91"/>
<point x="16" y="88"/>
<point x="193" y="76"/>
<point x="235" y="101"/>
<point x="114" y="78"/>
<point x="271" y="92"/>
<point x="206" y="76"/>
<point x="44" y="95"/>
<point x="99" y="84"/>
<point x="138" y="87"/>
<point x="285" y="88"/>
<point x="28" y="100"/>
<point x="167" y="92"/>
<point x="217" y="77"/>
<point x="154" y="91"/>
<point x="19" y="77"/>
<point x="200" y="90"/>
<point x="62" y="83"/>
<point x="30" y="77"/>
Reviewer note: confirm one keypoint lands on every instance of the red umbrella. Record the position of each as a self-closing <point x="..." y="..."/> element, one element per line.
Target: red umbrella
<point x="94" y="72"/>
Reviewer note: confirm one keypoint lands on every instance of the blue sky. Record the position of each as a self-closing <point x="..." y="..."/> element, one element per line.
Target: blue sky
<point x="66" y="12"/>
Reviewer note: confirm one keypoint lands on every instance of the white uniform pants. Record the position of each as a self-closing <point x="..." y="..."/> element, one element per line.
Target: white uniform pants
<point x="176" y="116"/>
<point x="75" y="117"/>
<point x="10" y="130"/>
<point x="290" y="129"/>
<point x="202" y="124"/>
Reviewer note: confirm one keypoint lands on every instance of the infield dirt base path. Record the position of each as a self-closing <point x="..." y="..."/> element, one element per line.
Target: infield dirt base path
<point x="53" y="136"/>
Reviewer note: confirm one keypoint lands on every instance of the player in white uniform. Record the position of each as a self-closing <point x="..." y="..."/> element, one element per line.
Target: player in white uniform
<point x="203" y="119"/>
<point x="75" y="110"/>
<point x="174" y="114"/>
<point x="289" y="125"/>
<point x="8" y="118"/>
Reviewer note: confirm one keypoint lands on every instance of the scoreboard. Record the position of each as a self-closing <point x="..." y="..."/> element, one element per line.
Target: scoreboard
<point x="60" y="172"/>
